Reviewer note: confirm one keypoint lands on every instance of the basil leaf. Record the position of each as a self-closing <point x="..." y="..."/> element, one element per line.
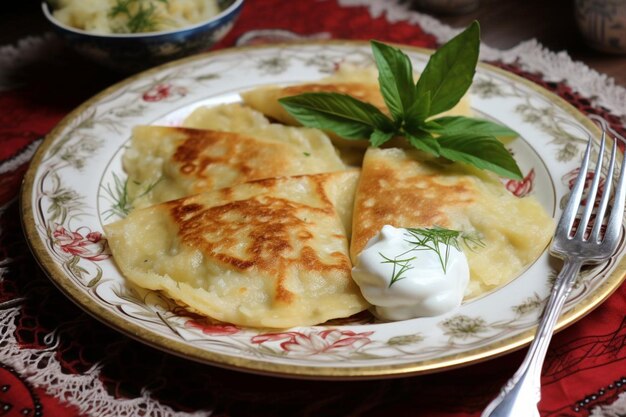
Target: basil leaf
<point x="340" y="113"/>
<point x="424" y="142"/>
<point x="484" y="152"/>
<point x="450" y="70"/>
<point x="395" y="78"/>
<point x="459" y="124"/>
<point x="420" y="109"/>
<point x="431" y="126"/>
<point x="378" y="137"/>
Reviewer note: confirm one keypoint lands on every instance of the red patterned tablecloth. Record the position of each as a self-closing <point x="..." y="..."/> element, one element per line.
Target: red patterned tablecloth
<point x="73" y="365"/>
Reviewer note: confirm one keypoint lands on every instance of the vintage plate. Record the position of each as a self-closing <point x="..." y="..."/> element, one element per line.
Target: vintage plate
<point x="75" y="185"/>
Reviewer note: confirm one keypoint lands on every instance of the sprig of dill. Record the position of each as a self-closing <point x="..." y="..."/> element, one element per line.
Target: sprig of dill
<point x="141" y="19"/>
<point x="118" y="193"/>
<point x="403" y="265"/>
<point x="430" y="239"/>
<point x="150" y="186"/>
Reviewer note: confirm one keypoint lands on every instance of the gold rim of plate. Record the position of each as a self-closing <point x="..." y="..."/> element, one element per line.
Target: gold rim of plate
<point x="184" y="350"/>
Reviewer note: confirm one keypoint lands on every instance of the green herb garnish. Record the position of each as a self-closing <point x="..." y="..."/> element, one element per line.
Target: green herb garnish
<point x="445" y="80"/>
<point x="140" y="15"/>
<point x="430" y="239"/>
<point x="118" y="193"/>
<point x="150" y="186"/>
<point x="400" y="266"/>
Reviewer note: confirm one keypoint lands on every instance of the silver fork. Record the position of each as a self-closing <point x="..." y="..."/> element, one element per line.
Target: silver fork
<point x="521" y="394"/>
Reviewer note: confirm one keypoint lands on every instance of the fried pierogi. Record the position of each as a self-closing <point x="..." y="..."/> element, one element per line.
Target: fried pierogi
<point x="234" y="117"/>
<point x="165" y="163"/>
<point x="230" y="117"/>
<point x="406" y="189"/>
<point x="360" y="83"/>
<point x="267" y="253"/>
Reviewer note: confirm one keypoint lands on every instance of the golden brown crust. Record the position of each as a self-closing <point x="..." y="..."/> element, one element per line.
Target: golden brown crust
<point x="166" y="163"/>
<point x="392" y="191"/>
<point x="201" y="149"/>
<point x="262" y="234"/>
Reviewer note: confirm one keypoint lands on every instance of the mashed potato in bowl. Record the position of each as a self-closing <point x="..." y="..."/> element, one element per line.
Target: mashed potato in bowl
<point x="133" y="16"/>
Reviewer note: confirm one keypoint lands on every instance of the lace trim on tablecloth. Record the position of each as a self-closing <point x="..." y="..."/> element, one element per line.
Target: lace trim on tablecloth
<point x="17" y="161"/>
<point x="617" y="409"/>
<point x="84" y="391"/>
<point x="530" y="55"/>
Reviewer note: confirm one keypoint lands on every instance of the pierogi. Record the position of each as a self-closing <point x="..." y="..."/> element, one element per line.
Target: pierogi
<point x="165" y="163"/>
<point x="360" y="83"/>
<point x="404" y="188"/>
<point x="266" y="253"/>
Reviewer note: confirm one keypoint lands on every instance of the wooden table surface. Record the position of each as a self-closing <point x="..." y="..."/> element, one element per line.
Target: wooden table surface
<point x="505" y="23"/>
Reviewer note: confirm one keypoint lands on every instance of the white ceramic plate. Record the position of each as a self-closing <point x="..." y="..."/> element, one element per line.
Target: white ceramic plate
<point x="75" y="182"/>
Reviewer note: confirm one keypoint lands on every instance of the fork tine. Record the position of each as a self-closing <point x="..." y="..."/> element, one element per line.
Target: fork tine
<point x="593" y="190"/>
<point x="606" y="195"/>
<point x="569" y="213"/>
<point x="617" y="212"/>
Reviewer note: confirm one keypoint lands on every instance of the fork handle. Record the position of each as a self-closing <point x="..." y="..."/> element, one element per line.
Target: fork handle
<point x="521" y="394"/>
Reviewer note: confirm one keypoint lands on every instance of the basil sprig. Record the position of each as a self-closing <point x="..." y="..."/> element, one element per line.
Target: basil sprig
<point x="444" y="81"/>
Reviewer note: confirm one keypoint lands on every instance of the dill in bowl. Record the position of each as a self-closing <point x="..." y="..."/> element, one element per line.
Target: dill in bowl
<point x="132" y="35"/>
<point x="133" y="16"/>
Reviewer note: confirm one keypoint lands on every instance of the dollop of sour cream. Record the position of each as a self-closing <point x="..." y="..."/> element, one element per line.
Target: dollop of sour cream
<point x="423" y="289"/>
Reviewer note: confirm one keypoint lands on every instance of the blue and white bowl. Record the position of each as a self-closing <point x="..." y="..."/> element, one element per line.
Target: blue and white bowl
<point x="131" y="52"/>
